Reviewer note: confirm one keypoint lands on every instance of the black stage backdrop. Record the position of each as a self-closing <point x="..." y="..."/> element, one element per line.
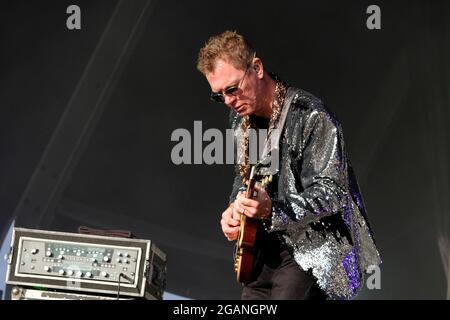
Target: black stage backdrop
<point x="389" y="88"/>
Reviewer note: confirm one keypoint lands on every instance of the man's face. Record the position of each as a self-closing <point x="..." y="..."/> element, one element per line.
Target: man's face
<point x="244" y="100"/>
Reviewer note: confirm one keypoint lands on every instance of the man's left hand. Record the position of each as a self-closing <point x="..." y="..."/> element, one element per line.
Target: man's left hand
<point x="260" y="207"/>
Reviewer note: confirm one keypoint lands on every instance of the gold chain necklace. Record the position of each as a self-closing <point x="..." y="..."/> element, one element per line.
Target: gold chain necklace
<point x="246" y="124"/>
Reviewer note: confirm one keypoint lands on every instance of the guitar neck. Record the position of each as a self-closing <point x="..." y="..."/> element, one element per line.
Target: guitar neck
<point x="250" y="189"/>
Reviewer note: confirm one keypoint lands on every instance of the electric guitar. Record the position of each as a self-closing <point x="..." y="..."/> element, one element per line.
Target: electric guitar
<point x="244" y="248"/>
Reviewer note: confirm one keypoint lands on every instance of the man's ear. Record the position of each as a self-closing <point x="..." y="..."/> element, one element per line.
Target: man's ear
<point x="258" y="67"/>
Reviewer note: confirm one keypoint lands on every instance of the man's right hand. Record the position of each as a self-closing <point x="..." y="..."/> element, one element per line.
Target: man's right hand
<point x="230" y="222"/>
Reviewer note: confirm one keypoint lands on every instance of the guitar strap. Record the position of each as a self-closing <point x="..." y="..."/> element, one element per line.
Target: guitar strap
<point x="272" y="157"/>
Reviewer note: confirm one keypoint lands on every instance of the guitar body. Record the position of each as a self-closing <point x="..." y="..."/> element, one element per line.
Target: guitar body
<point x="244" y="251"/>
<point x="243" y="257"/>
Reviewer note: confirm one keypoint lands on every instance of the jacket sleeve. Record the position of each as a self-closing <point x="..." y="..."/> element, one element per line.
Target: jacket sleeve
<point x="318" y="186"/>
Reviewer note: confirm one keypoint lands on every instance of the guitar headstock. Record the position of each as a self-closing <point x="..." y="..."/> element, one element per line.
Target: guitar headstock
<point x="266" y="180"/>
<point x="258" y="174"/>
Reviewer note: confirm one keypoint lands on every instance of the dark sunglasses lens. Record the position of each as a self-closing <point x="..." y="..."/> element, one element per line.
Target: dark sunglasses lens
<point x="231" y="90"/>
<point x="217" y="97"/>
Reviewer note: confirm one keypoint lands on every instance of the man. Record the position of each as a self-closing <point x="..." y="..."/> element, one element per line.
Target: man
<point x="314" y="240"/>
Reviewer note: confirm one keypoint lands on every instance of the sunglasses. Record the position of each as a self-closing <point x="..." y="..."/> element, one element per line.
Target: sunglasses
<point x="230" y="91"/>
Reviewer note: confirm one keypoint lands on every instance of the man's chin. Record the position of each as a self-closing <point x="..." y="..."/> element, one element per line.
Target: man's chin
<point x="243" y="112"/>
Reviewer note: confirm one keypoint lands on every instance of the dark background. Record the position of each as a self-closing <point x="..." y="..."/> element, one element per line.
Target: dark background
<point x="388" y="87"/>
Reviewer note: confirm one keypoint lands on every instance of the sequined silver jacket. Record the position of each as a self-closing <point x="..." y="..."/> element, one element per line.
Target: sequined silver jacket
<point x="317" y="205"/>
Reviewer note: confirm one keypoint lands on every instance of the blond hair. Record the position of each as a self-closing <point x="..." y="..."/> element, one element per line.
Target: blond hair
<point x="229" y="46"/>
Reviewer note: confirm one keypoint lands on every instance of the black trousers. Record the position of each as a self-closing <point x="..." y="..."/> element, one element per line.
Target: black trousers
<point x="276" y="274"/>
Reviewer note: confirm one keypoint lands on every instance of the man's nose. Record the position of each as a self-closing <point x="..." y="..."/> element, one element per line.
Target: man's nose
<point x="229" y="100"/>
